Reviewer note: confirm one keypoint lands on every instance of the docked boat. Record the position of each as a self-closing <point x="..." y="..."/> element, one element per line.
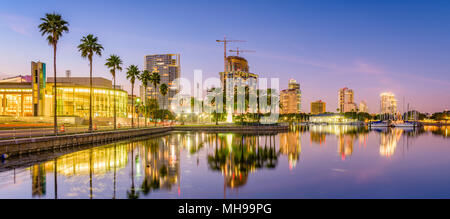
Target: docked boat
<point x="406" y="124"/>
<point x="380" y="124"/>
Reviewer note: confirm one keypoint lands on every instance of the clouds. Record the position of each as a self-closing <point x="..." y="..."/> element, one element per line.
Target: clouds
<point x="18" y="23"/>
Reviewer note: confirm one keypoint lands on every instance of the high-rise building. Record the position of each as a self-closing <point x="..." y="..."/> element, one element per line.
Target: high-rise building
<point x="168" y="67"/>
<point x="363" y="107"/>
<point x="346" y="101"/>
<point x="238" y="74"/>
<point x="388" y="103"/>
<point x="318" y="107"/>
<point x="293" y="84"/>
<point x="291" y="98"/>
<point x="237" y="68"/>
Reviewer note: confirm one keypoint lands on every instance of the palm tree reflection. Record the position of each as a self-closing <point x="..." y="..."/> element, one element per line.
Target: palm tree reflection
<point x="132" y="193"/>
<point x="237" y="155"/>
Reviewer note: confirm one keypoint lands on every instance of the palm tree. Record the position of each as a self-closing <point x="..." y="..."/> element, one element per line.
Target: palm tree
<point x="215" y="104"/>
<point x="54" y="26"/>
<point x="151" y="109"/>
<point x="132" y="73"/>
<point x="155" y="79"/>
<point x="114" y="63"/>
<point x="163" y="90"/>
<point x="89" y="47"/>
<point x="145" y="78"/>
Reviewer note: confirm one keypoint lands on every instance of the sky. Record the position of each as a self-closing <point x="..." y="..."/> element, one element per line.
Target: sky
<point x="401" y="46"/>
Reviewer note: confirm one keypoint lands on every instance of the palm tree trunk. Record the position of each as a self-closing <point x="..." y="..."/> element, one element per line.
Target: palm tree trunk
<point x="132" y="106"/>
<point x="145" y="107"/>
<point x="115" y="171"/>
<point x="164" y="110"/>
<point x="115" y="115"/>
<point x="56" y="178"/>
<point x="91" y="195"/>
<point x="55" y="103"/>
<point x="90" y="96"/>
<point x="132" y="168"/>
<point x="154" y="110"/>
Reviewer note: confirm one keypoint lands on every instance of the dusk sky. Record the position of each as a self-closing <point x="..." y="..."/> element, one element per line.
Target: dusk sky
<point x="369" y="46"/>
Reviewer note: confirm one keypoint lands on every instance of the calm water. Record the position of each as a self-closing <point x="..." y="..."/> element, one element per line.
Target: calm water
<point x="308" y="162"/>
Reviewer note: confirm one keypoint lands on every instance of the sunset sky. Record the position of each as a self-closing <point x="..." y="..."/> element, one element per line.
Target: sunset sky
<point x="370" y="46"/>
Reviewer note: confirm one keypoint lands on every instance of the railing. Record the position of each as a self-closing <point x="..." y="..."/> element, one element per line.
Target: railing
<point x="21" y="133"/>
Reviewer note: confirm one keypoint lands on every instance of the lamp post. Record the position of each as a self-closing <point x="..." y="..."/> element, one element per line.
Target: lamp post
<point x="138" y="101"/>
<point x="182" y="111"/>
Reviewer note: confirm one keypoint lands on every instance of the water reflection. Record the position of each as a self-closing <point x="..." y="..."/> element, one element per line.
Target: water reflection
<point x="39" y="178"/>
<point x="347" y="136"/>
<point x="438" y="131"/>
<point x="389" y="141"/>
<point x="160" y="163"/>
<point x="153" y="167"/>
<point x="291" y="146"/>
<point x="236" y="156"/>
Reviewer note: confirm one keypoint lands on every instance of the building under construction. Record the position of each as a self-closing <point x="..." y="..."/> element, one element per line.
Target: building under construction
<point x="237" y="68"/>
<point x="238" y="74"/>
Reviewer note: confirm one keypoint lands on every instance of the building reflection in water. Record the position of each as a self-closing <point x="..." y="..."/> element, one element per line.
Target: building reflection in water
<point x="161" y="164"/>
<point x="98" y="160"/>
<point x="154" y="164"/>
<point x="345" y="145"/>
<point x="438" y="131"/>
<point x="290" y="146"/>
<point x="347" y="136"/>
<point x="389" y="141"/>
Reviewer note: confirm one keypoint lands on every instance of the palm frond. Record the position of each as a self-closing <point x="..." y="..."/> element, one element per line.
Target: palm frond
<point x="54" y="27"/>
<point x="89" y="46"/>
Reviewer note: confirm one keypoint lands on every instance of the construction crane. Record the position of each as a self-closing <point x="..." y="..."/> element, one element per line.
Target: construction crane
<point x="225" y="42"/>
<point x="238" y="51"/>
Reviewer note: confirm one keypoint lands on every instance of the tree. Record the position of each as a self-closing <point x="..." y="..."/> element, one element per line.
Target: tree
<point x="89" y="47"/>
<point x="114" y="63"/>
<point x="164" y="90"/>
<point x="132" y="73"/>
<point x="151" y="109"/>
<point x="53" y="26"/>
<point x="444" y="116"/>
<point x="215" y="104"/>
<point x="155" y="79"/>
<point x="145" y="78"/>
